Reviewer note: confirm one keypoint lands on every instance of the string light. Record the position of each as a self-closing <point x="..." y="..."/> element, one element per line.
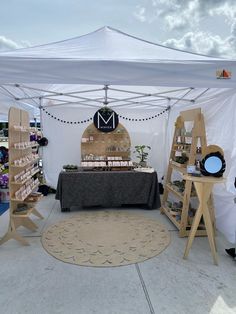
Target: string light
<point x="145" y="119"/>
<point x="120" y="116"/>
<point x="64" y="121"/>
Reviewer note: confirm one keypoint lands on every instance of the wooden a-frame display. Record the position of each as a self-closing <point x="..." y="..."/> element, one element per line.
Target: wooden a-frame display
<point x="198" y="137"/>
<point x="19" y="132"/>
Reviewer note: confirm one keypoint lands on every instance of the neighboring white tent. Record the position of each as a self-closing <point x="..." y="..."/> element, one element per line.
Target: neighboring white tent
<point x="71" y="79"/>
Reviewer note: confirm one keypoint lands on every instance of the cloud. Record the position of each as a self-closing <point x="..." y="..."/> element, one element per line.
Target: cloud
<point x="228" y="10"/>
<point x="191" y="12"/>
<point x="184" y="17"/>
<point x="232" y="38"/>
<point x="146" y="13"/>
<point x="8" y="44"/>
<point x="205" y="43"/>
<point x="140" y="13"/>
<point x="183" y="14"/>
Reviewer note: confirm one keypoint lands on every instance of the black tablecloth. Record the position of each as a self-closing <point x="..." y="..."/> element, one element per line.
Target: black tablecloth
<point x="108" y="189"/>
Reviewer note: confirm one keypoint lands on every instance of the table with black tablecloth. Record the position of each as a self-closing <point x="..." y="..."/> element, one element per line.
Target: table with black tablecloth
<point x="108" y="189"/>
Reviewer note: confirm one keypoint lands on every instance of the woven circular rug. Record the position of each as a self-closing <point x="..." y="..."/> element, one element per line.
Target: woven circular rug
<point x="107" y="238"/>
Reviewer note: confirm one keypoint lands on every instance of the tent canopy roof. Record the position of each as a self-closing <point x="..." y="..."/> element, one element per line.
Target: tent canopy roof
<point x="107" y="67"/>
<point x="110" y="57"/>
<point x="106" y="44"/>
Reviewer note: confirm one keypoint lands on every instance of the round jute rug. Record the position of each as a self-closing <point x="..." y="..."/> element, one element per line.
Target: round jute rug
<point x="105" y="238"/>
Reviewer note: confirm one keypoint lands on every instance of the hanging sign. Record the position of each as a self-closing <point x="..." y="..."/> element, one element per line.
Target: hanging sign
<point x="106" y="120"/>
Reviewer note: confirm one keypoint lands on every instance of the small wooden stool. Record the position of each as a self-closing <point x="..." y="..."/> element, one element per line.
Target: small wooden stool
<point x="203" y="186"/>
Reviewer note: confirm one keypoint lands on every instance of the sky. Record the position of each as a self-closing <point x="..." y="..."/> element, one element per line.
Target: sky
<point x="200" y="26"/>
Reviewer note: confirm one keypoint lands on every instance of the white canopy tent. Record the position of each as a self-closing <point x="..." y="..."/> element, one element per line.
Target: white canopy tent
<point x="69" y="80"/>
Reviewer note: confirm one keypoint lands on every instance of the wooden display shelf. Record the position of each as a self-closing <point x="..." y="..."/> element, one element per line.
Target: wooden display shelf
<point x="25" y="213"/>
<point x="24" y="165"/>
<point x="19" y="130"/>
<point x="108" y="153"/>
<point x="27" y="179"/>
<point x="197" y="134"/>
<point x="25" y="130"/>
<point x="177" y="164"/>
<point x="166" y="210"/>
<point x="187" y="153"/>
<point x="182" y="144"/>
<point x="34" y="199"/>
<point x="105" y="144"/>
<point x="31" y="146"/>
<point x="176" y="193"/>
<point x="93" y="160"/>
<point x="99" y="133"/>
<point x="18" y="200"/>
<point x="18" y="117"/>
<point x="200" y="232"/>
<point x="179" y="167"/>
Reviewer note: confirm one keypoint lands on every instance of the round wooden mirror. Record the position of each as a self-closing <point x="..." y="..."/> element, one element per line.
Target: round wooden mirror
<point x="213" y="164"/>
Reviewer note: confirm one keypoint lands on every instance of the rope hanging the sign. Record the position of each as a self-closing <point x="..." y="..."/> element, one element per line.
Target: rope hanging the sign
<point x="120" y="116"/>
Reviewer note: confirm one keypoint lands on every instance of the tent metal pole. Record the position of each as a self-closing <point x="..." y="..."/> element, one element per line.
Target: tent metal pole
<point x="67" y="101"/>
<point x="6" y="90"/>
<point x="84" y="98"/>
<point x="201" y="94"/>
<point x="166" y="139"/>
<point x="27" y="96"/>
<point x="72" y="96"/>
<point x="182" y="98"/>
<point x="144" y="102"/>
<point x="41" y="113"/>
<point x="159" y="96"/>
<point x="105" y="102"/>
<point x="53" y="92"/>
<point x="58" y="93"/>
<point x="137" y="104"/>
<point x="131" y="98"/>
<point x="35" y="97"/>
<point x="31" y="88"/>
<point x="71" y="103"/>
<point x="139" y="93"/>
<point x="84" y="91"/>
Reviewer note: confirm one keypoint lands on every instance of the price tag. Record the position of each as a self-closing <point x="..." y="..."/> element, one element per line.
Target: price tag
<point x="178" y="154"/>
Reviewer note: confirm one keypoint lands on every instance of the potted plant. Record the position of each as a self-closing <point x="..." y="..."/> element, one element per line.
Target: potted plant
<point x="142" y="154"/>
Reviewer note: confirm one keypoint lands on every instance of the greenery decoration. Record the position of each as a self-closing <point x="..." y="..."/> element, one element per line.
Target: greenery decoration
<point x="141" y="151"/>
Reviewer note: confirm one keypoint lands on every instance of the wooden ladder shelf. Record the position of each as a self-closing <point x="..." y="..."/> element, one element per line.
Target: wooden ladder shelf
<point x="184" y="144"/>
<point x="19" y="132"/>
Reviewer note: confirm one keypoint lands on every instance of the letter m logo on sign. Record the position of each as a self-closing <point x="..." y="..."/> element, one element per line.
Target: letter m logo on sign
<point x="112" y="118"/>
<point x="106" y="120"/>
